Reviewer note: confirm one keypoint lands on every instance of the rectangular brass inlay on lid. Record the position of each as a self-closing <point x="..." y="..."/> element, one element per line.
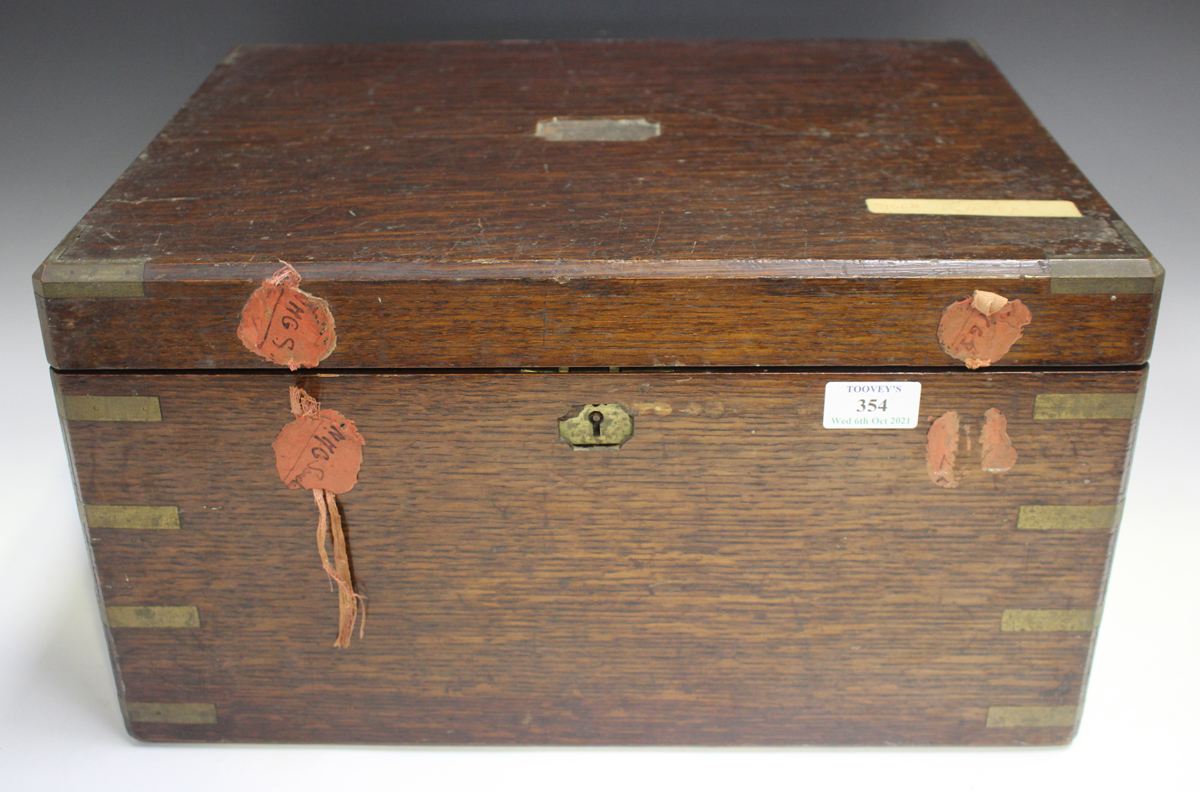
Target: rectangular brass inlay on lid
<point x="1017" y="717"/>
<point x="112" y="408"/>
<point x="160" y="712"/>
<point x="597" y="129"/>
<point x="1047" y="620"/>
<point x="153" y="616"/>
<point x="132" y="517"/>
<point x="1067" y="518"/>
<point x="1084" y="406"/>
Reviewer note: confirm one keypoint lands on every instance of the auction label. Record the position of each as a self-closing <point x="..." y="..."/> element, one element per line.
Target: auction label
<point x="872" y="405"/>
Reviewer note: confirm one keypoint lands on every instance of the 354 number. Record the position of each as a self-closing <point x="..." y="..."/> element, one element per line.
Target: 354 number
<point x="872" y="405"/>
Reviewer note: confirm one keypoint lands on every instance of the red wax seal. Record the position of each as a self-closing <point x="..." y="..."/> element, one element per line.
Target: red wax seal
<point x="998" y="453"/>
<point x="286" y="325"/>
<point x="321" y="449"/>
<point x="982" y="328"/>
<point x="941" y="450"/>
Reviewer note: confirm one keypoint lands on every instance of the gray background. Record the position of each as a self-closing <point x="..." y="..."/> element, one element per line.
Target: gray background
<point x="83" y="87"/>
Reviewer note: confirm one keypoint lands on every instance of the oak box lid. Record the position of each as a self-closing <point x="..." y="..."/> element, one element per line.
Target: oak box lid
<point x="516" y="204"/>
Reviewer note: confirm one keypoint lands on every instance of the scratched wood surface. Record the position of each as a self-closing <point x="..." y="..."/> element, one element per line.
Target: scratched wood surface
<point x="735" y="574"/>
<point x="405" y="182"/>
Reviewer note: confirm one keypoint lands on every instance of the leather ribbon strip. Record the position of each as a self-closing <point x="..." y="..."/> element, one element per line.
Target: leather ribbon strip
<point x="330" y="520"/>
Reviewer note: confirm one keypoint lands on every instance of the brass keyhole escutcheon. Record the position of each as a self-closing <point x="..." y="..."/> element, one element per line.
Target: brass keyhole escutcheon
<point x="596" y="426"/>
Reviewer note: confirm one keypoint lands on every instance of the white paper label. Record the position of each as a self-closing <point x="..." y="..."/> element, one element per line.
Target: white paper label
<point x="872" y="405"/>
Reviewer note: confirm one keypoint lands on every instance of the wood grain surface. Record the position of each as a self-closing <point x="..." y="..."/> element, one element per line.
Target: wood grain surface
<point x="734" y="574"/>
<point x="595" y="322"/>
<point x="405" y="182"/>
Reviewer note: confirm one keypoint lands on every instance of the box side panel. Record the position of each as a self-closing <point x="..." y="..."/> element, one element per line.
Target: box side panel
<point x="733" y="574"/>
<point x="113" y="649"/>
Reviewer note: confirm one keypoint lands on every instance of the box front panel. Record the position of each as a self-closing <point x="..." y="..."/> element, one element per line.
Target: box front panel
<point x="734" y="573"/>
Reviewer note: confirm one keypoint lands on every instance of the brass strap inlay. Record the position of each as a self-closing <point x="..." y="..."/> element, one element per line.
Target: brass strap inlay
<point x="159" y="712"/>
<point x="93" y="279"/>
<point x="1084" y="406"/>
<point x="132" y="517"/>
<point x="112" y="408"/>
<point x="1067" y="518"/>
<point x="61" y="276"/>
<point x="968" y="206"/>
<point x="1018" y="717"/>
<point x="1048" y="620"/>
<point x="153" y="616"/>
<point x="1105" y="276"/>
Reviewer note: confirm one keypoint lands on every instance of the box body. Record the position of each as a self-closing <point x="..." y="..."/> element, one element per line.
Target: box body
<point x="733" y="572"/>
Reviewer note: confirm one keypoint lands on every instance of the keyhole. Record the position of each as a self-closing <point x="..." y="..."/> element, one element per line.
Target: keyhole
<point x="596" y="417"/>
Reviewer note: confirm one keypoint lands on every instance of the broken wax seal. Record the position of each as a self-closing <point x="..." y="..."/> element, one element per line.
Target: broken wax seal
<point x="982" y="328"/>
<point x="996" y="449"/>
<point x="941" y="450"/>
<point x="997" y="454"/>
<point x="321" y="450"/>
<point x="286" y="325"/>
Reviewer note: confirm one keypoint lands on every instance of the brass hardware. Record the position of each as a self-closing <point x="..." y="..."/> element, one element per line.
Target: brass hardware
<point x="1084" y="406"/>
<point x="153" y="616"/>
<point x="161" y="712"/>
<point x="595" y="425"/>
<point x="84" y="280"/>
<point x="1018" y="717"/>
<point x="1105" y="276"/>
<point x="152" y="517"/>
<point x="1067" y="518"/>
<point x="112" y="408"/>
<point x="1046" y="620"/>
<point x="583" y="129"/>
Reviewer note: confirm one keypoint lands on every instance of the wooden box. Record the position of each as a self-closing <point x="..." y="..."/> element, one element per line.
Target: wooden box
<point x="712" y="393"/>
